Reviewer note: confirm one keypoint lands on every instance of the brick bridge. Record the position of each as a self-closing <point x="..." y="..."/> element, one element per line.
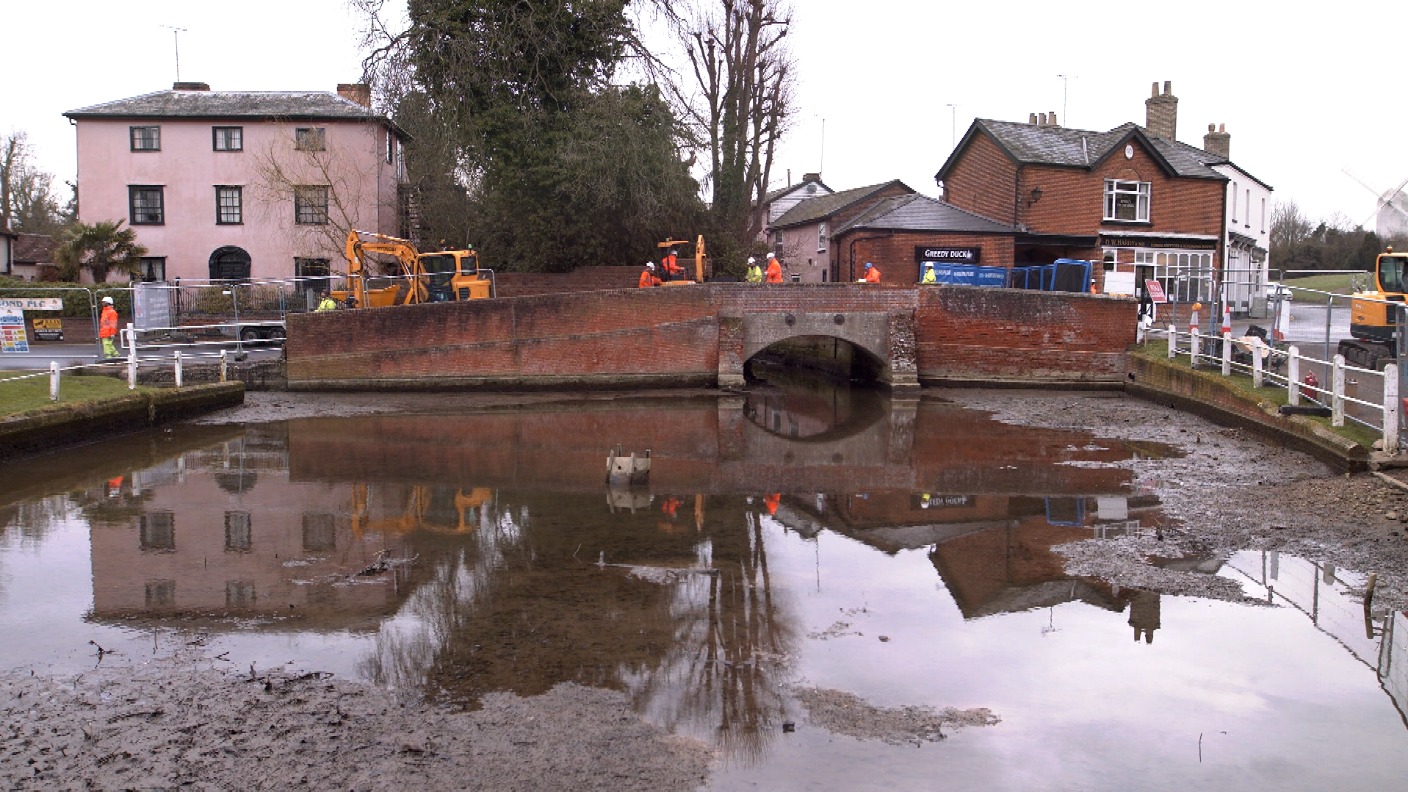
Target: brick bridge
<point x="704" y="335"/>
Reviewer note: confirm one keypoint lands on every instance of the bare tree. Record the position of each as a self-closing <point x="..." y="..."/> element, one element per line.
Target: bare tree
<point x="328" y="186"/>
<point x="738" y="103"/>
<point x="27" y="199"/>
<point x="1290" y="230"/>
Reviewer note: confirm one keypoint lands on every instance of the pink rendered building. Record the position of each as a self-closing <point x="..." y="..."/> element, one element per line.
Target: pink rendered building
<point x="241" y="184"/>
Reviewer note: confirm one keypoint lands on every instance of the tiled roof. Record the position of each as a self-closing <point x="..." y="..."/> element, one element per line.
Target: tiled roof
<point x="34" y="249"/>
<point x="231" y="104"/>
<point x="922" y="213"/>
<point x="781" y="191"/>
<point x="824" y="206"/>
<point x="1052" y="145"/>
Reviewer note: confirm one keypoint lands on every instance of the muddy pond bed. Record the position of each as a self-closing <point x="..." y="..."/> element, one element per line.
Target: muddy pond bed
<point x="818" y="589"/>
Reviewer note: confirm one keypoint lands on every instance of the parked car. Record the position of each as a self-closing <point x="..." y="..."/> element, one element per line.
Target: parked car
<point x="1278" y="291"/>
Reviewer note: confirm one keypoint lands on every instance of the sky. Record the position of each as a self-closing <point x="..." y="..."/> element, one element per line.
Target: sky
<point x="886" y="87"/>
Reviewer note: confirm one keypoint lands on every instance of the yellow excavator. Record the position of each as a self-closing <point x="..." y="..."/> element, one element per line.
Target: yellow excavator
<point x="437" y="509"/>
<point x="442" y="276"/>
<point x="1371" y="322"/>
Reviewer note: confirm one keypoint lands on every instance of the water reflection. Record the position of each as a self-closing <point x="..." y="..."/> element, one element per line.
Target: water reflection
<point x="479" y="553"/>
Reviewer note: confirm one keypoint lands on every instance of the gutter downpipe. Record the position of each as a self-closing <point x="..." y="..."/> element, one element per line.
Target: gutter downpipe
<point x="852" y="278"/>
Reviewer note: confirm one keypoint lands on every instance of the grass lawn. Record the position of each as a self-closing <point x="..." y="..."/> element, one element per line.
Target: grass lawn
<point x="32" y="393"/>
<point x="1338" y="283"/>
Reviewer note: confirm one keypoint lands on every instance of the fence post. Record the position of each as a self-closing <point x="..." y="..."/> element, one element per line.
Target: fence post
<point x="1293" y="376"/>
<point x="53" y="380"/>
<point x="1391" y="407"/>
<point x="224" y="366"/>
<point x="1258" y="365"/>
<point x="1337" y="392"/>
<point x="1226" y="352"/>
<point x="178" y="368"/>
<point x="1194" y="345"/>
<point x="131" y="340"/>
<point x="1172" y="340"/>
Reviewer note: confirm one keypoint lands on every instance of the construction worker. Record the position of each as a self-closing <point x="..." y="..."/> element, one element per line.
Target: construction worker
<point x="872" y="273"/>
<point x="929" y="276"/>
<point x="327" y="303"/>
<point x="771" y="501"/>
<point x="647" y="277"/>
<point x="107" y="328"/>
<point x="774" y="272"/>
<point x="755" y="272"/>
<point x="670" y="266"/>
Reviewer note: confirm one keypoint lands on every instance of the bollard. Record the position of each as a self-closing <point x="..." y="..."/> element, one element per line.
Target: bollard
<point x="178" y="368"/>
<point x="224" y="367"/>
<point x="1172" y="340"/>
<point x="1194" y="345"/>
<point x="131" y="340"/>
<point x="53" y="380"/>
<point x="1226" y="353"/>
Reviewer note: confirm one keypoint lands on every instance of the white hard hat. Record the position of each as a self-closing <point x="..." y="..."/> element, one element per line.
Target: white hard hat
<point x="649" y="265"/>
<point x="751" y="260"/>
<point x="107" y="300"/>
<point x="929" y="265"/>
<point x="772" y="255"/>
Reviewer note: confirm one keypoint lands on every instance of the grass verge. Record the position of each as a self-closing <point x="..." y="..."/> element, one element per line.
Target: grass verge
<point x="20" y="392"/>
<point x="1273" y="393"/>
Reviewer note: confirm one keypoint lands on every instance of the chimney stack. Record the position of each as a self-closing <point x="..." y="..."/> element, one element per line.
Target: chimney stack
<point x="1032" y="119"/>
<point x="361" y="93"/>
<point x="806" y="177"/>
<point x="1219" y="142"/>
<point x="1161" y="112"/>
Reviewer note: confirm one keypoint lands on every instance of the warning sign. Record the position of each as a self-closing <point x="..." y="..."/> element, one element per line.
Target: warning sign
<point x="12" y="335"/>
<point x="48" y="329"/>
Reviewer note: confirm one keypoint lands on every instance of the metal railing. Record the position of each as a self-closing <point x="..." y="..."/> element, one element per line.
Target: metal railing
<point x="1270" y="365"/>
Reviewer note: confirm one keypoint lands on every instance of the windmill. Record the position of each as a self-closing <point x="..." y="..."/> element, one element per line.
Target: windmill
<point x="1391" y="216"/>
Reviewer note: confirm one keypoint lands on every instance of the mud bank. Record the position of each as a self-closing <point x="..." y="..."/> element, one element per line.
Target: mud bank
<point x="181" y="721"/>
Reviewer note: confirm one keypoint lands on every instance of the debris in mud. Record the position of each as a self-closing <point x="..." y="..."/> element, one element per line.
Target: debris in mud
<point x="846" y="713"/>
<point x="173" y="722"/>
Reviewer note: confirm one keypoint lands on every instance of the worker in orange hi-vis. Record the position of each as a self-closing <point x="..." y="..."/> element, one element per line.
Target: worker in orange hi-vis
<point x="774" y="270"/>
<point x="872" y="273"/>
<point x="647" y="276"/>
<point x="670" y="266"/>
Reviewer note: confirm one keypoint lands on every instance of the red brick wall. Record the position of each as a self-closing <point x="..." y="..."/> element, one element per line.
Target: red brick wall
<point x="671" y="336"/>
<point x="894" y="255"/>
<point x="984" y="181"/>
<point x="968" y="333"/>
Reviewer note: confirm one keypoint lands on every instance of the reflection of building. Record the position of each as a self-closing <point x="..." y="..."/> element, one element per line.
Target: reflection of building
<point x="224" y="531"/>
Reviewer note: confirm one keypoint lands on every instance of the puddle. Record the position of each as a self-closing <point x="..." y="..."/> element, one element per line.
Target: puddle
<point x="793" y="571"/>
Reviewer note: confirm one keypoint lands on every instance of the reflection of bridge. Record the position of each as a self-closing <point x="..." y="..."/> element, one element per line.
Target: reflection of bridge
<point x="707" y="446"/>
<point x="705" y="334"/>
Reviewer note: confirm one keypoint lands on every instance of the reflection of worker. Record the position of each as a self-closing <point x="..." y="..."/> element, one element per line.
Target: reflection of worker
<point x="107" y="328"/>
<point x="670" y="266"/>
<point x="755" y="272"/>
<point x="671" y="506"/>
<point x="926" y="500"/>
<point x="929" y="276"/>
<point x="872" y="273"/>
<point x="771" y="501"/>
<point x="327" y="303"/>
<point x="774" y="273"/>
<point x="647" y="277"/>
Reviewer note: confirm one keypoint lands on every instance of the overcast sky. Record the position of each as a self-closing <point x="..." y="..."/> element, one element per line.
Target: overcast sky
<point x="1303" y="92"/>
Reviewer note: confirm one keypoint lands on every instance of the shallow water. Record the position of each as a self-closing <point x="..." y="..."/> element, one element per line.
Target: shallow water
<point x="899" y="551"/>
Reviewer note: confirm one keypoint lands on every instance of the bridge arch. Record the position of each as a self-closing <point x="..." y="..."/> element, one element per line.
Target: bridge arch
<point x="885" y="338"/>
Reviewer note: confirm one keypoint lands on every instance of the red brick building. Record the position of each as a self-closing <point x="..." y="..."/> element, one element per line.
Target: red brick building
<point x="1133" y="198"/>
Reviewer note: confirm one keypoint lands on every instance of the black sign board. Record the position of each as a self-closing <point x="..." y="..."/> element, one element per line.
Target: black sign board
<point x="947" y="255"/>
<point x="1179" y="243"/>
